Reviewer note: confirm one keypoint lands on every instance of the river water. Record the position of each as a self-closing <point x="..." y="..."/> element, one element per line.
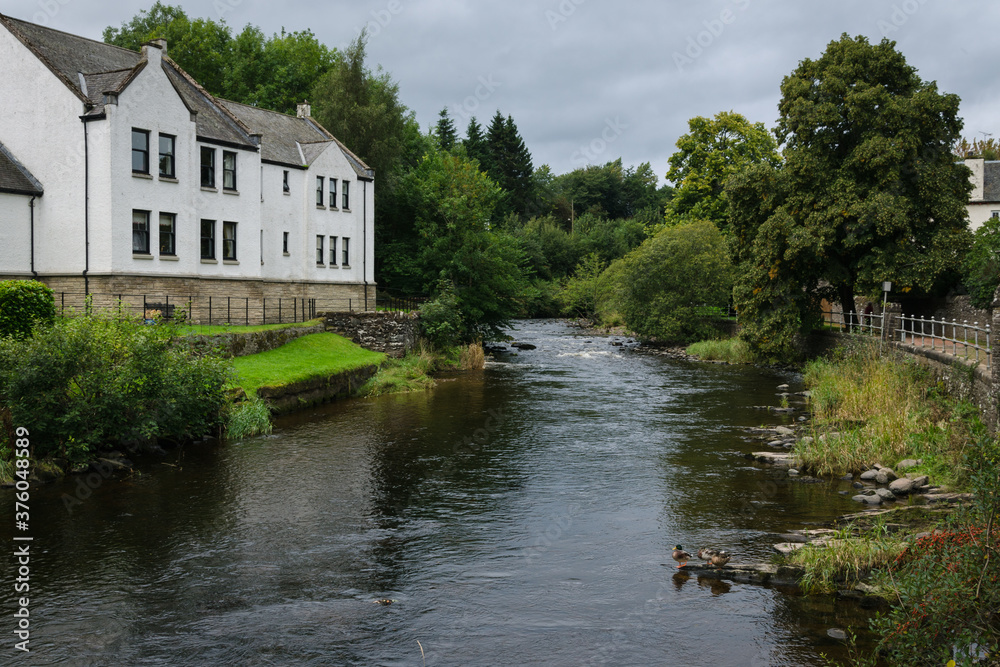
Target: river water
<point x="522" y="515"/>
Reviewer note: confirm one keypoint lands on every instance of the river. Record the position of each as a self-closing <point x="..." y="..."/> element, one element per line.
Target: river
<point x="522" y="515"/>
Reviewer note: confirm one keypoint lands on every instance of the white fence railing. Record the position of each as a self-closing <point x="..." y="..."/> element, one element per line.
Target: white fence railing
<point x="870" y="323"/>
<point x="970" y="341"/>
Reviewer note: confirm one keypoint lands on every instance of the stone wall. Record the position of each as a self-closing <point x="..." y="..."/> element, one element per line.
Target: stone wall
<point x="304" y="394"/>
<point x="392" y="333"/>
<point x="241" y="344"/>
<point x="959" y="309"/>
<point x="214" y="300"/>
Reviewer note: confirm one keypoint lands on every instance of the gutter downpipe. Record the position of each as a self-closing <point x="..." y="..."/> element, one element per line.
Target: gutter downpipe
<point x="86" y="212"/>
<point x="364" y="239"/>
<point x="31" y="205"/>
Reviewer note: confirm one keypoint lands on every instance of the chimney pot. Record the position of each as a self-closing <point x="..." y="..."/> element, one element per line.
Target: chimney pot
<point x="304" y="110"/>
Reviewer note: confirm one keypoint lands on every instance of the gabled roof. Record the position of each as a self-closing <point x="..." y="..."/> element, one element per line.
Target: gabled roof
<point x="292" y="140"/>
<point x="991" y="181"/>
<point x="90" y="69"/>
<point x="15" y="177"/>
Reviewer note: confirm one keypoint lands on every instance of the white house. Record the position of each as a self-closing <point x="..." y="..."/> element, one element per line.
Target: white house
<point x="121" y="175"/>
<point x="984" y="202"/>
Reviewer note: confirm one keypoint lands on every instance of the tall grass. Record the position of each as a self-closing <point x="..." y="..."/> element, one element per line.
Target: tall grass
<point x="731" y="350"/>
<point x="249" y="418"/>
<point x="871" y="406"/>
<point x="409" y="373"/>
<point x="847" y="560"/>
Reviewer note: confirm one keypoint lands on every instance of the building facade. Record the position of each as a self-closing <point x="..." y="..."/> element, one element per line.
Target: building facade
<point x="121" y="175"/>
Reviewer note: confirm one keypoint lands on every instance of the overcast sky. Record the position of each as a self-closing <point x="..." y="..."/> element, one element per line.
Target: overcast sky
<point x="588" y="81"/>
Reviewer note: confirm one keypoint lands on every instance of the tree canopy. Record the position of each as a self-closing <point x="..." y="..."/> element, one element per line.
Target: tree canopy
<point x="714" y="149"/>
<point x="868" y="191"/>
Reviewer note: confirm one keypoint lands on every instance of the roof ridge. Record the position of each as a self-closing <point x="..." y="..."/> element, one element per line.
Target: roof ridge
<point x="71" y="34"/>
<point x="7" y="22"/>
<point x="211" y="98"/>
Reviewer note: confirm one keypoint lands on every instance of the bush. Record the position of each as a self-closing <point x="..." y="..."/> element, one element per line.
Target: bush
<point x="249" y="418"/>
<point x="24" y="304"/>
<point x="96" y="381"/>
<point x="441" y="318"/>
<point x="981" y="268"/>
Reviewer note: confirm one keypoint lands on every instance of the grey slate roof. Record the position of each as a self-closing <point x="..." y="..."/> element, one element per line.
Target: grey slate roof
<point x="991" y="181"/>
<point x="14" y="176"/>
<point x="288" y="139"/>
<point x="108" y="68"/>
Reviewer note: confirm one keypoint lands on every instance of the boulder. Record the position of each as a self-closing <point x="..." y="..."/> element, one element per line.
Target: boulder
<point x="901" y="486"/>
<point x="885" y="494"/>
<point x="908" y="463"/>
<point x="885" y="475"/>
<point x="922" y="480"/>
<point x="868" y="500"/>
<point x="784" y="430"/>
<point x="869" y="475"/>
<point x="848" y="478"/>
<point x="782" y="387"/>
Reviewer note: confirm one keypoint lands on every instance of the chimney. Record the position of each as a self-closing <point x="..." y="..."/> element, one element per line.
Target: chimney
<point x="153" y="50"/>
<point x="978" y="178"/>
<point x="304" y="110"/>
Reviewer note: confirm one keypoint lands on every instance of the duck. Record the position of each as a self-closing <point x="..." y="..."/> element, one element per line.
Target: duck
<point x="706" y="554"/>
<point x="720" y="558"/>
<point x="681" y="556"/>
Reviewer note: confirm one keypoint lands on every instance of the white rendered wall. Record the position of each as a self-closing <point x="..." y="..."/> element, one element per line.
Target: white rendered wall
<point x="41" y="127"/>
<point x="15" y="234"/>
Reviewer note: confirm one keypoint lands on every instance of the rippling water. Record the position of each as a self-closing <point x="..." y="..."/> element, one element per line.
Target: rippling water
<point x="523" y="515"/>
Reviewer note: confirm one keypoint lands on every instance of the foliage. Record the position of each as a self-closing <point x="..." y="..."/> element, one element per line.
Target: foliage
<point x="215" y="329"/>
<point x="730" y="350"/>
<point x="445" y="130"/>
<point x="981" y="267"/>
<point x="272" y="73"/>
<point x="315" y="355"/>
<point x="669" y="279"/>
<point x="714" y="149"/>
<point x="508" y="162"/>
<point x="107" y="380"/>
<point x="606" y="191"/>
<point x="249" y="418"/>
<point x="441" y="318"/>
<point x="579" y="297"/>
<point x="454" y="202"/>
<point x="882" y="406"/>
<point x="987" y="149"/>
<point x="25" y="304"/>
<point x="869" y="191"/>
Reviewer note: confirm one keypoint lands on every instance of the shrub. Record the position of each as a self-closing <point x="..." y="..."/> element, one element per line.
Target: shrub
<point x="96" y="381"/>
<point x="981" y="267"/>
<point x="24" y="304"/>
<point x="249" y="418"/>
<point x="441" y="318"/>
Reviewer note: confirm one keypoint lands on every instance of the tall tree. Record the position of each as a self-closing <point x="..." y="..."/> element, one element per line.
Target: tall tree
<point x="446" y="134"/>
<point x="509" y="164"/>
<point x="475" y="143"/>
<point x="707" y="155"/>
<point x="869" y="190"/>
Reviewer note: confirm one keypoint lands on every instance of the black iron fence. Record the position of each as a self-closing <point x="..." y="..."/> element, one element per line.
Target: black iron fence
<point x="223" y="309"/>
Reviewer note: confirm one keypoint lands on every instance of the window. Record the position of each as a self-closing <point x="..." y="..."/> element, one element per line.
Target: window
<point x="229" y="241"/>
<point x="208" y="239"/>
<point x="333" y="251"/>
<point x="319" y="250"/>
<point x="207" y="167"/>
<point x="996" y="214"/>
<point x="345" y="247"/>
<point x="140" y="232"/>
<point x="228" y="170"/>
<point x="333" y="193"/>
<point x="168" y="234"/>
<point x="140" y="151"/>
<point x="284" y="182"/>
<point x="167" y="156"/>
<point x="319" y="191"/>
<point x="284" y="242"/>
<point x="347" y="196"/>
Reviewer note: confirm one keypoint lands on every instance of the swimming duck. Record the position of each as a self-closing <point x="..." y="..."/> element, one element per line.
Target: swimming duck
<point x="720" y="558"/>
<point x="681" y="556"/>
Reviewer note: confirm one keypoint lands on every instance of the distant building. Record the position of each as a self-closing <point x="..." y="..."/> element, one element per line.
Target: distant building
<point x="984" y="202"/>
<point x="120" y="174"/>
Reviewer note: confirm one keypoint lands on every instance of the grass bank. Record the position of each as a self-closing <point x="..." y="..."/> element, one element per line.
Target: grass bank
<point x="319" y="354"/>
<point x="413" y="372"/>
<point x="217" y="329"/>
<point x="731" y="350"/>
<point x="871" y="406"/>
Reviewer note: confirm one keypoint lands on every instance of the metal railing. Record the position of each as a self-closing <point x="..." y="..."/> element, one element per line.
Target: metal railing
<point x="965" y="340"/>
<point x="869" y="323"/>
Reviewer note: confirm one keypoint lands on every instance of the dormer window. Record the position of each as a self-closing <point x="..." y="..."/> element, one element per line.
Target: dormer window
<point x="140" y="151"/>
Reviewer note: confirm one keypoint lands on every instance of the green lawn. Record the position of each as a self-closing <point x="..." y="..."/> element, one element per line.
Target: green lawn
<point x="209" y="330"/>
<point x="310" y="356"/>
